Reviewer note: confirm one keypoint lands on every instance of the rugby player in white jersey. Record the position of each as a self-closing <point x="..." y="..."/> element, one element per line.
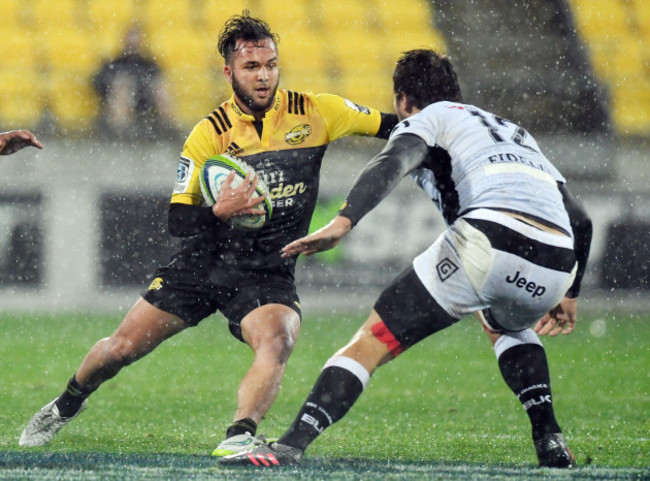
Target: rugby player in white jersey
<point x="514" y="254"/>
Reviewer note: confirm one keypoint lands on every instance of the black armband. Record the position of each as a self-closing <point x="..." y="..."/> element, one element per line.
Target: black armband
<point x="388" y="123"/>
<point x="582" y="233"/>
<point x="188" y="220"/>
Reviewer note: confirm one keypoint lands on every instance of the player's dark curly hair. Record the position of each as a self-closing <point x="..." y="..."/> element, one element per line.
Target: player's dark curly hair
<point x="243" y="27"/>
<point x="425" y="77"/>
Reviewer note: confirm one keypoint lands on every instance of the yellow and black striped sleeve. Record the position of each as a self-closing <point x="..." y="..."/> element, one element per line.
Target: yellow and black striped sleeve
<point x="343" y="117"/>
<point x="201" y="144"/>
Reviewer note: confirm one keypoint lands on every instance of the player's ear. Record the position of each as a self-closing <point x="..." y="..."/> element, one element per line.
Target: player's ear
<point x="227" y="71"/>
<point x="401" y="103"/>
<point x="406" y="103"/>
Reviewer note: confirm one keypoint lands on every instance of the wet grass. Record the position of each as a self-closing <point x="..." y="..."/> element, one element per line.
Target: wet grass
<point x="104" y="466"/>
<point x="441" y="411"/>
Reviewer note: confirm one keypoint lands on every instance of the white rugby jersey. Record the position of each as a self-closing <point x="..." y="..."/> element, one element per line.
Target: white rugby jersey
<point x="479" y="159"/>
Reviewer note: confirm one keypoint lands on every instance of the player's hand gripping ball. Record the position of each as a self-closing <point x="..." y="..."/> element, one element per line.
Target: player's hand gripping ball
<point x="214" y="172"/>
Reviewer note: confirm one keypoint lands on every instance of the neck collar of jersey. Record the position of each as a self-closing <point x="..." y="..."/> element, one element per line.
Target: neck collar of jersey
<point x="244" y="116"/>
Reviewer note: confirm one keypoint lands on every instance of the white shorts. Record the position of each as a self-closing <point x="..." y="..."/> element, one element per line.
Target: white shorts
<point x="489" y="261"/>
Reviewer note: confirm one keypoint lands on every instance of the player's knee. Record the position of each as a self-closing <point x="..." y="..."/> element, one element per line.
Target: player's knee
<point x="120" y="351"/>
<point x="274" y="338"/>
<point x="275" y="343"/>
<point x="281" y="345"/>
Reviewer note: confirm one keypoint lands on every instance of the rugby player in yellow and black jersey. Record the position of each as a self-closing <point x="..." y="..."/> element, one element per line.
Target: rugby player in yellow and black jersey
<point x="286" y="148"/>
<point x="283" y="135"/>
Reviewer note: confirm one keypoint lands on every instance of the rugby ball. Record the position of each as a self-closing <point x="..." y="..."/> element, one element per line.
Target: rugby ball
<point x="214" y="172"/>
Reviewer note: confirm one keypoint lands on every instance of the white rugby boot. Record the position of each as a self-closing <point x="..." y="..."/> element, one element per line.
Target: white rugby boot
<point x="44" y="425"/>
<point x="240" y="443"/>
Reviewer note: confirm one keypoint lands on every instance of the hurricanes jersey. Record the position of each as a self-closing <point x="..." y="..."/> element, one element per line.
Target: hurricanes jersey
<point x="286" y="149"/>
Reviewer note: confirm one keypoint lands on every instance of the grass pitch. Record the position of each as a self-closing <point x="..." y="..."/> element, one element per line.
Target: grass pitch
<point x="440" y="411"/>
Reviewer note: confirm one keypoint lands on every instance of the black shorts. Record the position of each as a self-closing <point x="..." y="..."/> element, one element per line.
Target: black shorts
<point x="173" y="292"/>
<point x="409" y="313"/>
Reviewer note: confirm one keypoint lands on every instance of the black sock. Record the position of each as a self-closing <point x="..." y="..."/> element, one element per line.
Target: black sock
<point x="71" y="399"/>
<point x="334" y="393"/>
<point x="242" y="426"/>
<point x="525" y="369"/>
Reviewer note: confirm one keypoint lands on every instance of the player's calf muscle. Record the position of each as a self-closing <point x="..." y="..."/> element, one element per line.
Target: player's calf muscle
<point x="367" y="350"/>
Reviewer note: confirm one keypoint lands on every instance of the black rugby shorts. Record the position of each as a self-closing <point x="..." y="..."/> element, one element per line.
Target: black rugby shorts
<point x="408" y="312"/>
<point x="193" y="302"/>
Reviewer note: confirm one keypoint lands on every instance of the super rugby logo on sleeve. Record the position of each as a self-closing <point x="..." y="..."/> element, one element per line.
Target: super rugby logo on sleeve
<point x="183" y="175"/>
<point x="357" y="107"/>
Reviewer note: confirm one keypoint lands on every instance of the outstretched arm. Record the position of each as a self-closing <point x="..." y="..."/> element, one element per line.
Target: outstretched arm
<point x="400" y="156"/>
<point x="15" y="140"/>
<point x="381" y="175"/>
<point x="323" y="239"/>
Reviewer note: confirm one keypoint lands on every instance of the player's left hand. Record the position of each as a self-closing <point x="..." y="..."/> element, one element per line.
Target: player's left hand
<point x="561" y="319"/>
<point x="238" y="200"/>
<point x="321" y="240"/>
<point x="15" y="140"/>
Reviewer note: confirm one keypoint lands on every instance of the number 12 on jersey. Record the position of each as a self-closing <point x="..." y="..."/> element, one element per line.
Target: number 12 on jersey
<point x="519" y="133"/>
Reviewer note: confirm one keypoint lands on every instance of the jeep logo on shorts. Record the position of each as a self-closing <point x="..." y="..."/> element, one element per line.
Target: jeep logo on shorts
<point x="529" y="286"/>
<point x="445" y="269"/>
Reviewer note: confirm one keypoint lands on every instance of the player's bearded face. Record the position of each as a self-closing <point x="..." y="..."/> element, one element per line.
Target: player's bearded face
<point x="254" y="75"/>
<point x="251" y="97"/>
